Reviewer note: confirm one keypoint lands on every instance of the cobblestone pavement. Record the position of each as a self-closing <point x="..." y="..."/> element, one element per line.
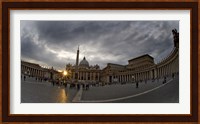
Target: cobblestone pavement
<point x="33" y="91"/>
<point x="95" y="94"/>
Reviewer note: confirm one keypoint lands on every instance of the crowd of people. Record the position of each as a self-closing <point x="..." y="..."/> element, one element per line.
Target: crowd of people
<point x="86" y="86"/>
<point x="39" y="79"/>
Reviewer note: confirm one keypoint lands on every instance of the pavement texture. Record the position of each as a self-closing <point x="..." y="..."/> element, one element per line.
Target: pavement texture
<point x="113" y="92"/>
<point x="168" y="93"/>
<point x="34" y="91"/>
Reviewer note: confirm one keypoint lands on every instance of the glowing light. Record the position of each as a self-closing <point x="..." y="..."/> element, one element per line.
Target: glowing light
<point x="65" y="73"/>
<point x="62" y="96"/>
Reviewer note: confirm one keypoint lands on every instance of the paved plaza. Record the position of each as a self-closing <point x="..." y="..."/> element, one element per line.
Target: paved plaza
<point x="44" y="92"/>
<point x="167" y="93"/>
<point x="34" y="91"/>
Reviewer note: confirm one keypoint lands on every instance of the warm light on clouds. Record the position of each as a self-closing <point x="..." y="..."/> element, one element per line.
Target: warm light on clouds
<point x="55" y="43"/>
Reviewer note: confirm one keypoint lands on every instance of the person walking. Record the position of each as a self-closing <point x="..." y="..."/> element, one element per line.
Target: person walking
<point x="24" y="77"/>
<point x="77" y="86"/>
<point x="173" y="75"/>
<point x="137" y="84"/>
<point x="164" y="81"/>
<point x="53" y="82"/>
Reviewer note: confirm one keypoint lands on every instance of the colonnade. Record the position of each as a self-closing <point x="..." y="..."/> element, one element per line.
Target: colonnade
<point x="168" y="68"/>
<point x="31" y="71"/>
<point x="146" y="75"/>
<point x="87" y="76"/>
<point x="163" y="69"/>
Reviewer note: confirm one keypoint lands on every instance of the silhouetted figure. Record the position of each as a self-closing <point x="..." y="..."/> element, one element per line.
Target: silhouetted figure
<point x="78" y="86"/>
<point x="164" y="81"/>
<point x="137" y="84"/>
<point x="173" y="75"/>
<point x="24" y="77"/>
<point x="87" y="86"/>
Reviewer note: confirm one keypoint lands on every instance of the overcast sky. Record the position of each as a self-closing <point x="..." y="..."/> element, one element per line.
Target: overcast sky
<point x="55" y="43"/>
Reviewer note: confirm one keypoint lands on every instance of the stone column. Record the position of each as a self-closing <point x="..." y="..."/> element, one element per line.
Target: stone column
<point x="86" y="75"/>
<point x="90" y="76"/>
<point x="94" y="76"/>
<point x="97" y="73"/>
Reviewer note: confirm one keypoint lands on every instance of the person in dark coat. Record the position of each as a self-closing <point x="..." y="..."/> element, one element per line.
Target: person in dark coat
<point x="164" y="81"/>
<point x="53" y="82"/>
<point x="78" y="86"/>
<point x="87" y="86"/>
<point x="137" y="84"/>
<point x="24" y="77"/>
<point x="173" y="75"/>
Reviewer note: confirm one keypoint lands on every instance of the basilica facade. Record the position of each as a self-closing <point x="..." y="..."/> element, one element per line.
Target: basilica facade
<point x="85" y="73"/>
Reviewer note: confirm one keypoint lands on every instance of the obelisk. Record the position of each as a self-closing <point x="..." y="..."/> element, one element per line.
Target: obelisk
<point x="76" y="68"/>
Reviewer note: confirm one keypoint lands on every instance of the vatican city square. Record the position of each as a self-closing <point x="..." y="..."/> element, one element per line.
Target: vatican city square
<point x="99" y="61"/>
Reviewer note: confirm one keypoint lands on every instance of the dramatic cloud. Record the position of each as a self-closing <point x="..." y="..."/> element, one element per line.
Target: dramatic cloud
<point x="54" y="43"/>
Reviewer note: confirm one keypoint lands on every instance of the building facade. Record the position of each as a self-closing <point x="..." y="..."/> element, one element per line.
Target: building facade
<point x="31" y="69"/>
<point x="85" y="73"/>
<point x="143" y="67"/>
<point x="35" y="70"/>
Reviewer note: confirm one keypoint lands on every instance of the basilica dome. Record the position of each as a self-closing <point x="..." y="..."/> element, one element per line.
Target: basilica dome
<point x="84" y="63"/>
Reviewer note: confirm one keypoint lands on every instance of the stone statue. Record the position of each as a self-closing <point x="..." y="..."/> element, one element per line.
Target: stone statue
<point x="176" y="38"/>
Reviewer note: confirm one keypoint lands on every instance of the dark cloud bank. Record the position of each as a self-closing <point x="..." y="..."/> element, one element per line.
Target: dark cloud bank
<point x="54" y="43"/>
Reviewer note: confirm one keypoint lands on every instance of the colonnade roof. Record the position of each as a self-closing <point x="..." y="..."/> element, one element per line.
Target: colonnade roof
<point x="145" y="55"/>
<point x="28" y="63"/>
<point x="116" y="64"/>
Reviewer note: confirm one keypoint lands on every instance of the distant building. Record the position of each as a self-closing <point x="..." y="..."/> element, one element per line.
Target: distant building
<point x="143" y="67"/>
<point x="31" y="69"/>
<point x="35" y="70"/>
<point x="127" y="73"/>
<point x="85" y="72"/>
